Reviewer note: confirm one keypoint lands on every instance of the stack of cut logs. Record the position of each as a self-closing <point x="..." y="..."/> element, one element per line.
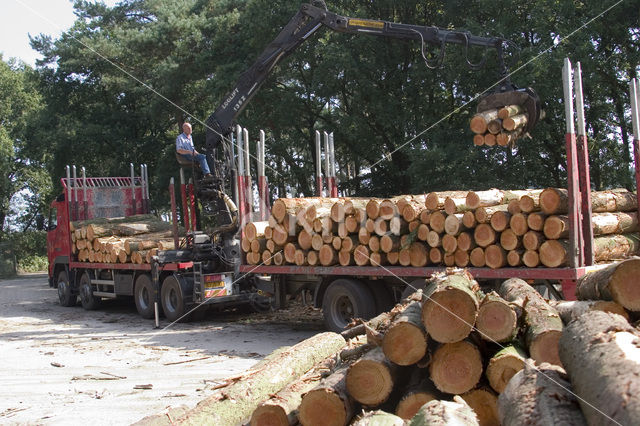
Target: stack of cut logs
<point x="493" y="228"/>
<point x="133" y="239"/>
<point x="451" y="354"/>
<point x="501" y="126"/>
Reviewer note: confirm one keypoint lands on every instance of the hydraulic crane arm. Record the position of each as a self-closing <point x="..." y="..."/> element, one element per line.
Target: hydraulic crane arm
<point x="304" y="24"/>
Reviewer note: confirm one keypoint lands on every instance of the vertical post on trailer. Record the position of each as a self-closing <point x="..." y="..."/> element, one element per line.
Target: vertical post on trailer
<point x="155" y="280"/>
<point x="234" y="170"/>
<point x="133" y="188"/>
<point x="242" y="206"/>
<point x="263" y="188"/>
<point x="146" y="179"/>
<point x="584" y="176"/>
<point x="192" y="206"/>
<point x="143" y="184"/>
<point x="332" y="158"/>
<point x="174" y="211"/>
<point x="318" y="165"/>
<point x="575" y="229"/>
<point x="85" y="201"/>
<point x="634" y="95"/>
<point x="183" y="197"/>
<point x="69" y="200"/>
<point x="75" y="194"/>
<point x="247" y="174"/>
<point x="327" y="167"/>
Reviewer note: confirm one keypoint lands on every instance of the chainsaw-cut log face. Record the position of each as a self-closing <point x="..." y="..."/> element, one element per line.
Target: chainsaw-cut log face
<point x="497" y="321"/>
<point x="324" y="406"/>
<point x="410" y="404"/>
<point x="449" y="315"/>
<point x="405" y="342"/>
<point x="370" y="380"/>
<point x="456" y="367"/>
<point x="484" y="403"/>
<point x="503" y="366"/>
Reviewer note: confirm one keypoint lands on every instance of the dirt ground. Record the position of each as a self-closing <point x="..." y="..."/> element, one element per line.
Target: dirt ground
<point x="70" y="366"/>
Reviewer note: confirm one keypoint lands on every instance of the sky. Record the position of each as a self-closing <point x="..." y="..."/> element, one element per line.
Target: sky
<point x="21" y="18"/>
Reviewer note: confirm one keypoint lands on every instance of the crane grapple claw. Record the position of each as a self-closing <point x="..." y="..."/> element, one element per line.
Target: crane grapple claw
<point x="527" y="98"/>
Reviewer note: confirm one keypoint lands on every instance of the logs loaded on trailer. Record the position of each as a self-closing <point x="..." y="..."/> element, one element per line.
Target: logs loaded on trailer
<point x="133" y="239"/>
<point x="493" y="228"/>
<point x="360" y="377"/>
<point x="500" y="126"/>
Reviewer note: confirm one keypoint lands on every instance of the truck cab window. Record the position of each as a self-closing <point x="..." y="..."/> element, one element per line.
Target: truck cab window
<point x="53" y="219"/>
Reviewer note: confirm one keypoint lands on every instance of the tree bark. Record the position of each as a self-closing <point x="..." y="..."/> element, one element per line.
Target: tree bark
<point x="450" y="310"/>
<point x="556" y="201"/>
<point x="377" y="418"/>
<point x="539" y="397"/>
<point x="617" y="282"/>
<point x="571" y="310"/>
<point x="543" y="324"/>
<point x="418" y="392"/>
<point x="484" y="214"/>
<point x="456" y="412"/>
<point x="504" y="365"/>
<point x="435" y="200"/>
<point x="600" y="352"/>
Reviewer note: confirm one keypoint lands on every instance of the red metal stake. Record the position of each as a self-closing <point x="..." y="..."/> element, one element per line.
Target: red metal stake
<point x="174" y="212"/>
<point x="185" y="207"/>
<point x="334" y="188"/>
<point x="242" y="202"/>
<point x="192" y="206"/>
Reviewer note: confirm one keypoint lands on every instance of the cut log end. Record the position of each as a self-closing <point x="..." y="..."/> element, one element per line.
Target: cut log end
<point x="624" y="286"/>
<point x="496" y="321"/>
<point x="405" y="344"/>
<point x="449" y="316"/>
<point x="410" y="404"/>
<point x="544" y="348"/>
<point x="485" y="404"/>
<point x="456" y="367"/>
<point x="369" y="382"/>
<point x="269" y="415"/>
<point x="320" y="406"/>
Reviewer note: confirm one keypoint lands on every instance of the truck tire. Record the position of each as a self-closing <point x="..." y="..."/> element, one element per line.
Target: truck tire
<point x="143" y="295"/>
<point x="88" y="300"/>
<point x="344" y="300"/>
<point x="65" y="296"/>
<point x="172" y="299"/>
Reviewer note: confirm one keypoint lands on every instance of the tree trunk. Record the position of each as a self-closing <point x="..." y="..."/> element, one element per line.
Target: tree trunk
<point x="328" y="403"/>
<point x="449" y="243"/>
<point x="494" y="197"/>
<point x="450" y="310"/>
<point x="405" y="341"/>
<point x="455" y="205"/>
<point x="543" y="324"/>
<point x="509" y="240"/>
<point x="480" y="121"/>
<point x="313" y="258"/>
<point x="377" y="418"/>
<point x="617" y="282"/>
<point x="484" y="402"/>
<point x="515" y="122"/>
<point x="553" y="253"/>
<point x="556" y="201"/>
<point x="570" y="310"/>
<point x="484" y="235"/>
<point x="235" y="402"/>
<point x="349" y="243"/>
<point x="539" y="397"/>
<point x="500" y="220"/>
<point x="477" y="257"/>
<point x="436" y="223"/>
<point x="515" y="258"/>
<point x="389" y="243"/>
<point x="327" y="255"/>
<point x="504" y="365"/>
<point x="418" y="254"/>
<point x="371" y="379"/>
<point x="531" y="258"/>
<point x="536" y="221"/>
<point x="456" y="412"/>
<point x="557" y="226"/>
<point x="435" y="200"/>
<point x="518" y="224"/>
<point x="509" y="111"/>
<point x="600" y="352"/>
<point x="436" y="255"/>
<point x="456" y="367"/>
<point x="532" y="240"/>
<point x="253" y="230"/>
<point x="495" y="256"/>
<point x="484" y="214"/>
<point x="465" y="241"/>
<point x="496" y="321"/>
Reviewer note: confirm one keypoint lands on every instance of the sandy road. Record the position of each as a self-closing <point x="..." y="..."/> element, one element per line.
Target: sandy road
<point x="69" y="366"/>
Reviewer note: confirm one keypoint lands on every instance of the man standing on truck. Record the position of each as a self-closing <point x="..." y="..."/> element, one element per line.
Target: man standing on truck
<point x="184" y="147"/>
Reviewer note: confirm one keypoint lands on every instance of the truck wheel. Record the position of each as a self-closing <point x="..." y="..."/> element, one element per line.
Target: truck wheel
<point x="172" y="299"/>
<point x="143" y="295"/>
<point x="65" y="296"/>
<point x="88" y="300"/>
<point x="344" y="300"/>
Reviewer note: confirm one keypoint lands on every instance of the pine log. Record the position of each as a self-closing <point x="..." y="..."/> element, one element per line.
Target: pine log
<point x="515" y="122"/>
<point x="328" y="403"/>
<point x="504" y="365"/>
<point x="253" y="230"/>
<point x="413" y="209"/>
<point x="513" y="207"/>
<point x="414" y="225"/>
<point x="617" y="282"/>
<point x="484" y="402"/>
<point x="389" y="243"/>
<point x="433" y="239"/>
<point x="132" y="228"/>
<point x="478" y="140"/>
<point x="404" y="257"/>
<point x="497" y="320"/>
<point x="518" y="224"/>
<point x="405" y="341"/>
<point x="336" y="243"/>
<point x="453" y="224"/>
<point x="509" y="111"/>
<point x="456" y="367"/>
<point x="530" y="203"/>
<point x="455" y="205"/>
<point x="316" y="241"/>
<point x="531" y="258"/>
<point x="494" y="126"/>
<point x="535" y="221"/>
<point x="495" y="256"/>
<point x="301" y="257"/>
<point x="484" y="214"/>
<point x="436" y="223"/>
<point x="450" y="310"/>
<point x="509" y="240"/>
<point x="363" y="236"/>
<point x="465" y="241"/>
<point x="500" y="220"/>
<point x="257" y="245"/>
<point x="449" y="243"/>
<point x="327" y="255"/>
<point x="425" y="217"/>
<point x="436" y="255"/>
<point x="505" y="138"/>
<point x="281" y="409"/>
<point x="600" y="351"/>
<point x="480" y="121"/>
<point x="393" y="257"/>
<point x="397" y="226"/>
<point x="418" y="392"/>
<point x="570" y="310"/>
<point x="345" y="258"/>
<point x="532" y="240"/>
<point x="539" y="396"/>
<point x="371" y="379"/>
<point x="272" y="247"/>
<point x="436" y="412"/>
<point x="278" y="258"/>
<point x="378" y="259"/>
<point x="313" y="258"/>
<point x="514" y="257"/>
<point x="494" y="197"/>
<point x="378" y="418"/>
<point x="349" y="243"/>
<point x="351" y="224"/>
<point x="267" y="257"/>
<point x="461" y="258"/>
<point x="373" y="208"/>
<point x="361" y="255"/>
<point x="484" y="235"/>
<point x="556" y="201"/>
<point x="435" y="200"/>
<point x="469" y="219"/>
<point x="557" y="226"/>
<point x="543" y="324"/>
<point x="490" y="139"/>
<point x="296" y="206"/>
<point x="553" y="253"/>
<point x="418" y="254"/>
<point x="388" y="209"/>
<point x="477" y="257"/>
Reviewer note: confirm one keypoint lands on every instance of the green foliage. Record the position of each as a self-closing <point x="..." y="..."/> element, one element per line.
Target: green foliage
<point x="400" y="126"/>
<point x="33" y="264"/>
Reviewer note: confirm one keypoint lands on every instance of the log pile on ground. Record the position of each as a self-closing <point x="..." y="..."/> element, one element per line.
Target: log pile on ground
<point x="493" y="228"/>
<point x="427" y="361"/>
<point x="133" y="239"/>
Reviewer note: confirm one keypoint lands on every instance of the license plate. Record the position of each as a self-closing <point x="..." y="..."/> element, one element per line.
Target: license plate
<point x="214" y="292"/>
<point x="214" y="284"/>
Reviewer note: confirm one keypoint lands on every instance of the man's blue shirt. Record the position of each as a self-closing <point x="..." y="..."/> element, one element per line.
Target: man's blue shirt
<point x="184" y="142"/>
